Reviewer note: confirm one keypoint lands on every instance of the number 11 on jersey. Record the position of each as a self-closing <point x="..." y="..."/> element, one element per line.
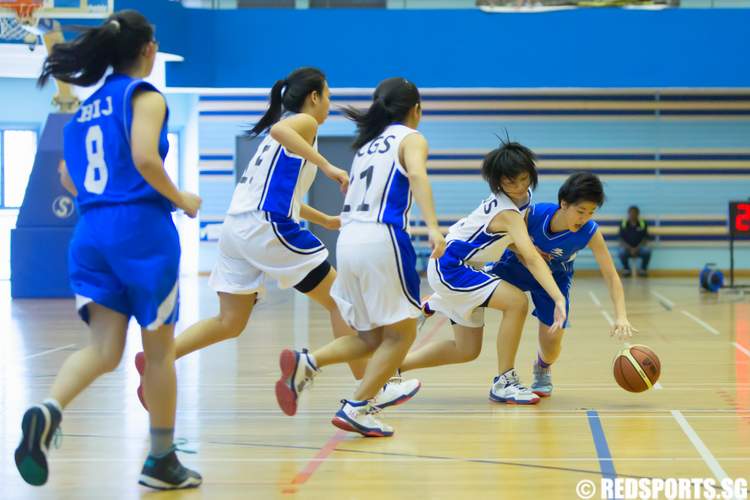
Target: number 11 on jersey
<point x="367" y="175"/>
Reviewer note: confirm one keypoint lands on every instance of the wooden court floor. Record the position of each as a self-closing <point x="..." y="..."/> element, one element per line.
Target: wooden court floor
<point x="450" y="441"/>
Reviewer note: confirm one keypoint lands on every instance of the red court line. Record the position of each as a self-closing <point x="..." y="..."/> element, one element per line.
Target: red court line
<point x="312" y="465"/>
<point x="333" y="442"/>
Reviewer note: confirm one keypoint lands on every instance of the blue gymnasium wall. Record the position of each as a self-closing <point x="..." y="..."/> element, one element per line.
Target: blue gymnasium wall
<point x="456" y="48"/>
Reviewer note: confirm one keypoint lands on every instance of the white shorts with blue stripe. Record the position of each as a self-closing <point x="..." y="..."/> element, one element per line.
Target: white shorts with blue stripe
<point x="257" y="245"/>
<point x="377" y="283"/>
<point x="459" y="291"/>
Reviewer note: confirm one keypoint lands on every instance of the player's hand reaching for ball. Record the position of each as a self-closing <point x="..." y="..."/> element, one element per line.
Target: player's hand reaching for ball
<point x="622" y="329"/>
<point x="190" y="203"/>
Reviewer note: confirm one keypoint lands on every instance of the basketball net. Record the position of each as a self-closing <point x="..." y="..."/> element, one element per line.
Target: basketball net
<point x="22" y="25"/>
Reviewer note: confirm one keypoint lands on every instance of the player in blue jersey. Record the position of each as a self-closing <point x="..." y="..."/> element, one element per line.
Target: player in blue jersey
<point x="377" y="289"/>
<point x="125" y="252"/>
<point x="559" y="231"/>
<point x="262" y="238"/>
<point x="463" y="290"/>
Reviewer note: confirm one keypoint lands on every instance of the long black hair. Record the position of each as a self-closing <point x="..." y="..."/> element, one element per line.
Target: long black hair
<point x="509" y="161"/>
<point x="289" y="94"/>
<point x="117" y="42"/>
<point x="392" y="101"/>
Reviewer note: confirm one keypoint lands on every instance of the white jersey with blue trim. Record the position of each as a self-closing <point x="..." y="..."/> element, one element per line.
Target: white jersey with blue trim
<point x="275" y="181"/>
<point x="469" y="240"/>
<point x="378" y="182"/>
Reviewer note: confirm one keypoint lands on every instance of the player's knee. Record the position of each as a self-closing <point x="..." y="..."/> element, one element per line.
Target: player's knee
<point x="233" y="325"/>
<point x="470" y="352"/>
<point x="518" y="302"/>
<point x="109" y="359"/>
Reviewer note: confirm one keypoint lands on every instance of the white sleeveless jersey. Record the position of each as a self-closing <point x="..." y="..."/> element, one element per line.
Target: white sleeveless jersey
<point x="469" y="240"/>
<point x="274" y="181"/>
<point x="378" y="183"/>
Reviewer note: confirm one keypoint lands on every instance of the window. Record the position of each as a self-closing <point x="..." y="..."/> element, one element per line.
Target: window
<point x="17" y="152"/>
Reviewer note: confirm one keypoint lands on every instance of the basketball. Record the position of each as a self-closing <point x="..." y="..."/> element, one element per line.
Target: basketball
<point x="637" y="368"/>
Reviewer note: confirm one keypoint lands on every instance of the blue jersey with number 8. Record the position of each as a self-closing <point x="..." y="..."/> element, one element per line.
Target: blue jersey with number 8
<point x="97" y="147"/>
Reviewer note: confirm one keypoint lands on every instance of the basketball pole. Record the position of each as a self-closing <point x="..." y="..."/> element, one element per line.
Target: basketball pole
<point x="65" y="99"/>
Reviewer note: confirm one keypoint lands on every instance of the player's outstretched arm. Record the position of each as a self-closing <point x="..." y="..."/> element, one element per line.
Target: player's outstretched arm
<point x="414" y="155"/>
<point x="332" y="222"/>
<point x="514" y="224"/>
<point x="622" y="327"/>
<point x="297" y="134"/>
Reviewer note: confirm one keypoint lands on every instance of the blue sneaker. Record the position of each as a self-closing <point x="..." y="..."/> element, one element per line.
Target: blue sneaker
<point x="357" y="416"/>
<point x="542" y="385"/>
<point x="40" y="424"/>
<point x="507" y="388"/>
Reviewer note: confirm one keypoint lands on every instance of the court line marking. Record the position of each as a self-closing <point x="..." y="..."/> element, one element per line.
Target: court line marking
<point x="312" y="465"/>
<point x="742" y="349"/>
<point x="595" y="299"/>
<point x="658" y="386"/>
<point x="330" y="446"/>
<point x="606" y="465"/>
<point x="607" y="317"/>
<point x="489" y="419"/>
<point x="702" y="449"/>
<point x="49" y="351"/>
<point x="705" y="325"/>
<point x="665" y="302"/>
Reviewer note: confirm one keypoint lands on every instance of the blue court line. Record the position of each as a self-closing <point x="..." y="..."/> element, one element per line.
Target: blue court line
<point x="606" y="465"/>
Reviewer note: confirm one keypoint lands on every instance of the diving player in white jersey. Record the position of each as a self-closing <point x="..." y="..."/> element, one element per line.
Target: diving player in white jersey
<point x="377" y="289"/>
<point x="462" y="291"/>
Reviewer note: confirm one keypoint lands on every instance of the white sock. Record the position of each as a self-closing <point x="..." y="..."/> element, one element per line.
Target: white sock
<point x="54" y="403"/>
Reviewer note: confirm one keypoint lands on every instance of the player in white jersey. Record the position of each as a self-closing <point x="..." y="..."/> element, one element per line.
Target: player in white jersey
<point x="377" y="288"/>
<point x="261" y="237"/>
<point x="463" y="290"/>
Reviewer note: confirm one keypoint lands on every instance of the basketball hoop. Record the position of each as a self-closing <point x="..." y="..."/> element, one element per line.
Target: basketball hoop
<point x="20" y="26"/>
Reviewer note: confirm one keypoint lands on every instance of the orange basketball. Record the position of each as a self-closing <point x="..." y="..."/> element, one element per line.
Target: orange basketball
<point x="637" y="368"/>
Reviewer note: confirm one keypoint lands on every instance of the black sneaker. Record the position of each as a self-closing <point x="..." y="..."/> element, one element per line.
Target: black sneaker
<point x="39" y="425"/>
<point x="167" y="473"/>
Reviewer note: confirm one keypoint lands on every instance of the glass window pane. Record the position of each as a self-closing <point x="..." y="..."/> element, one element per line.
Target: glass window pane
<point x="172" y="163"/>
<point x="19" y="150"/>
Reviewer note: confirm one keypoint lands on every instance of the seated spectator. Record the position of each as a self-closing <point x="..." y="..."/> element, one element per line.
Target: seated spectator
<point x="633" y="242"/>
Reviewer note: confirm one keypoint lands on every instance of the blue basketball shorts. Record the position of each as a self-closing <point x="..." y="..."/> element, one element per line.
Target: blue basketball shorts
<point x="127" y="258"/>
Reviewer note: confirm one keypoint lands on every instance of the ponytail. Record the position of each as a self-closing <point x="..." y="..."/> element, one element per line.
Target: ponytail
<point x="274" y="111"/>
<point x="117" y="42"/>
<point x="394" y="98"/>
<point x="369" y="123"/>
<point x="289" y="95"/>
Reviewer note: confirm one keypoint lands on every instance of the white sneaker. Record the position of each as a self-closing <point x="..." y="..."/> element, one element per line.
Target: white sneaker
<point x="357" y="416"/>
<point x="297" y="373"/>
<point x="507" y="388"/>
<point x="396" y="392"/>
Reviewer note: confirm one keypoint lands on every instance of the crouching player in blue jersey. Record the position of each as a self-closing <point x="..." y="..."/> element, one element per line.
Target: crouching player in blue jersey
<point x="559" y="231"/>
